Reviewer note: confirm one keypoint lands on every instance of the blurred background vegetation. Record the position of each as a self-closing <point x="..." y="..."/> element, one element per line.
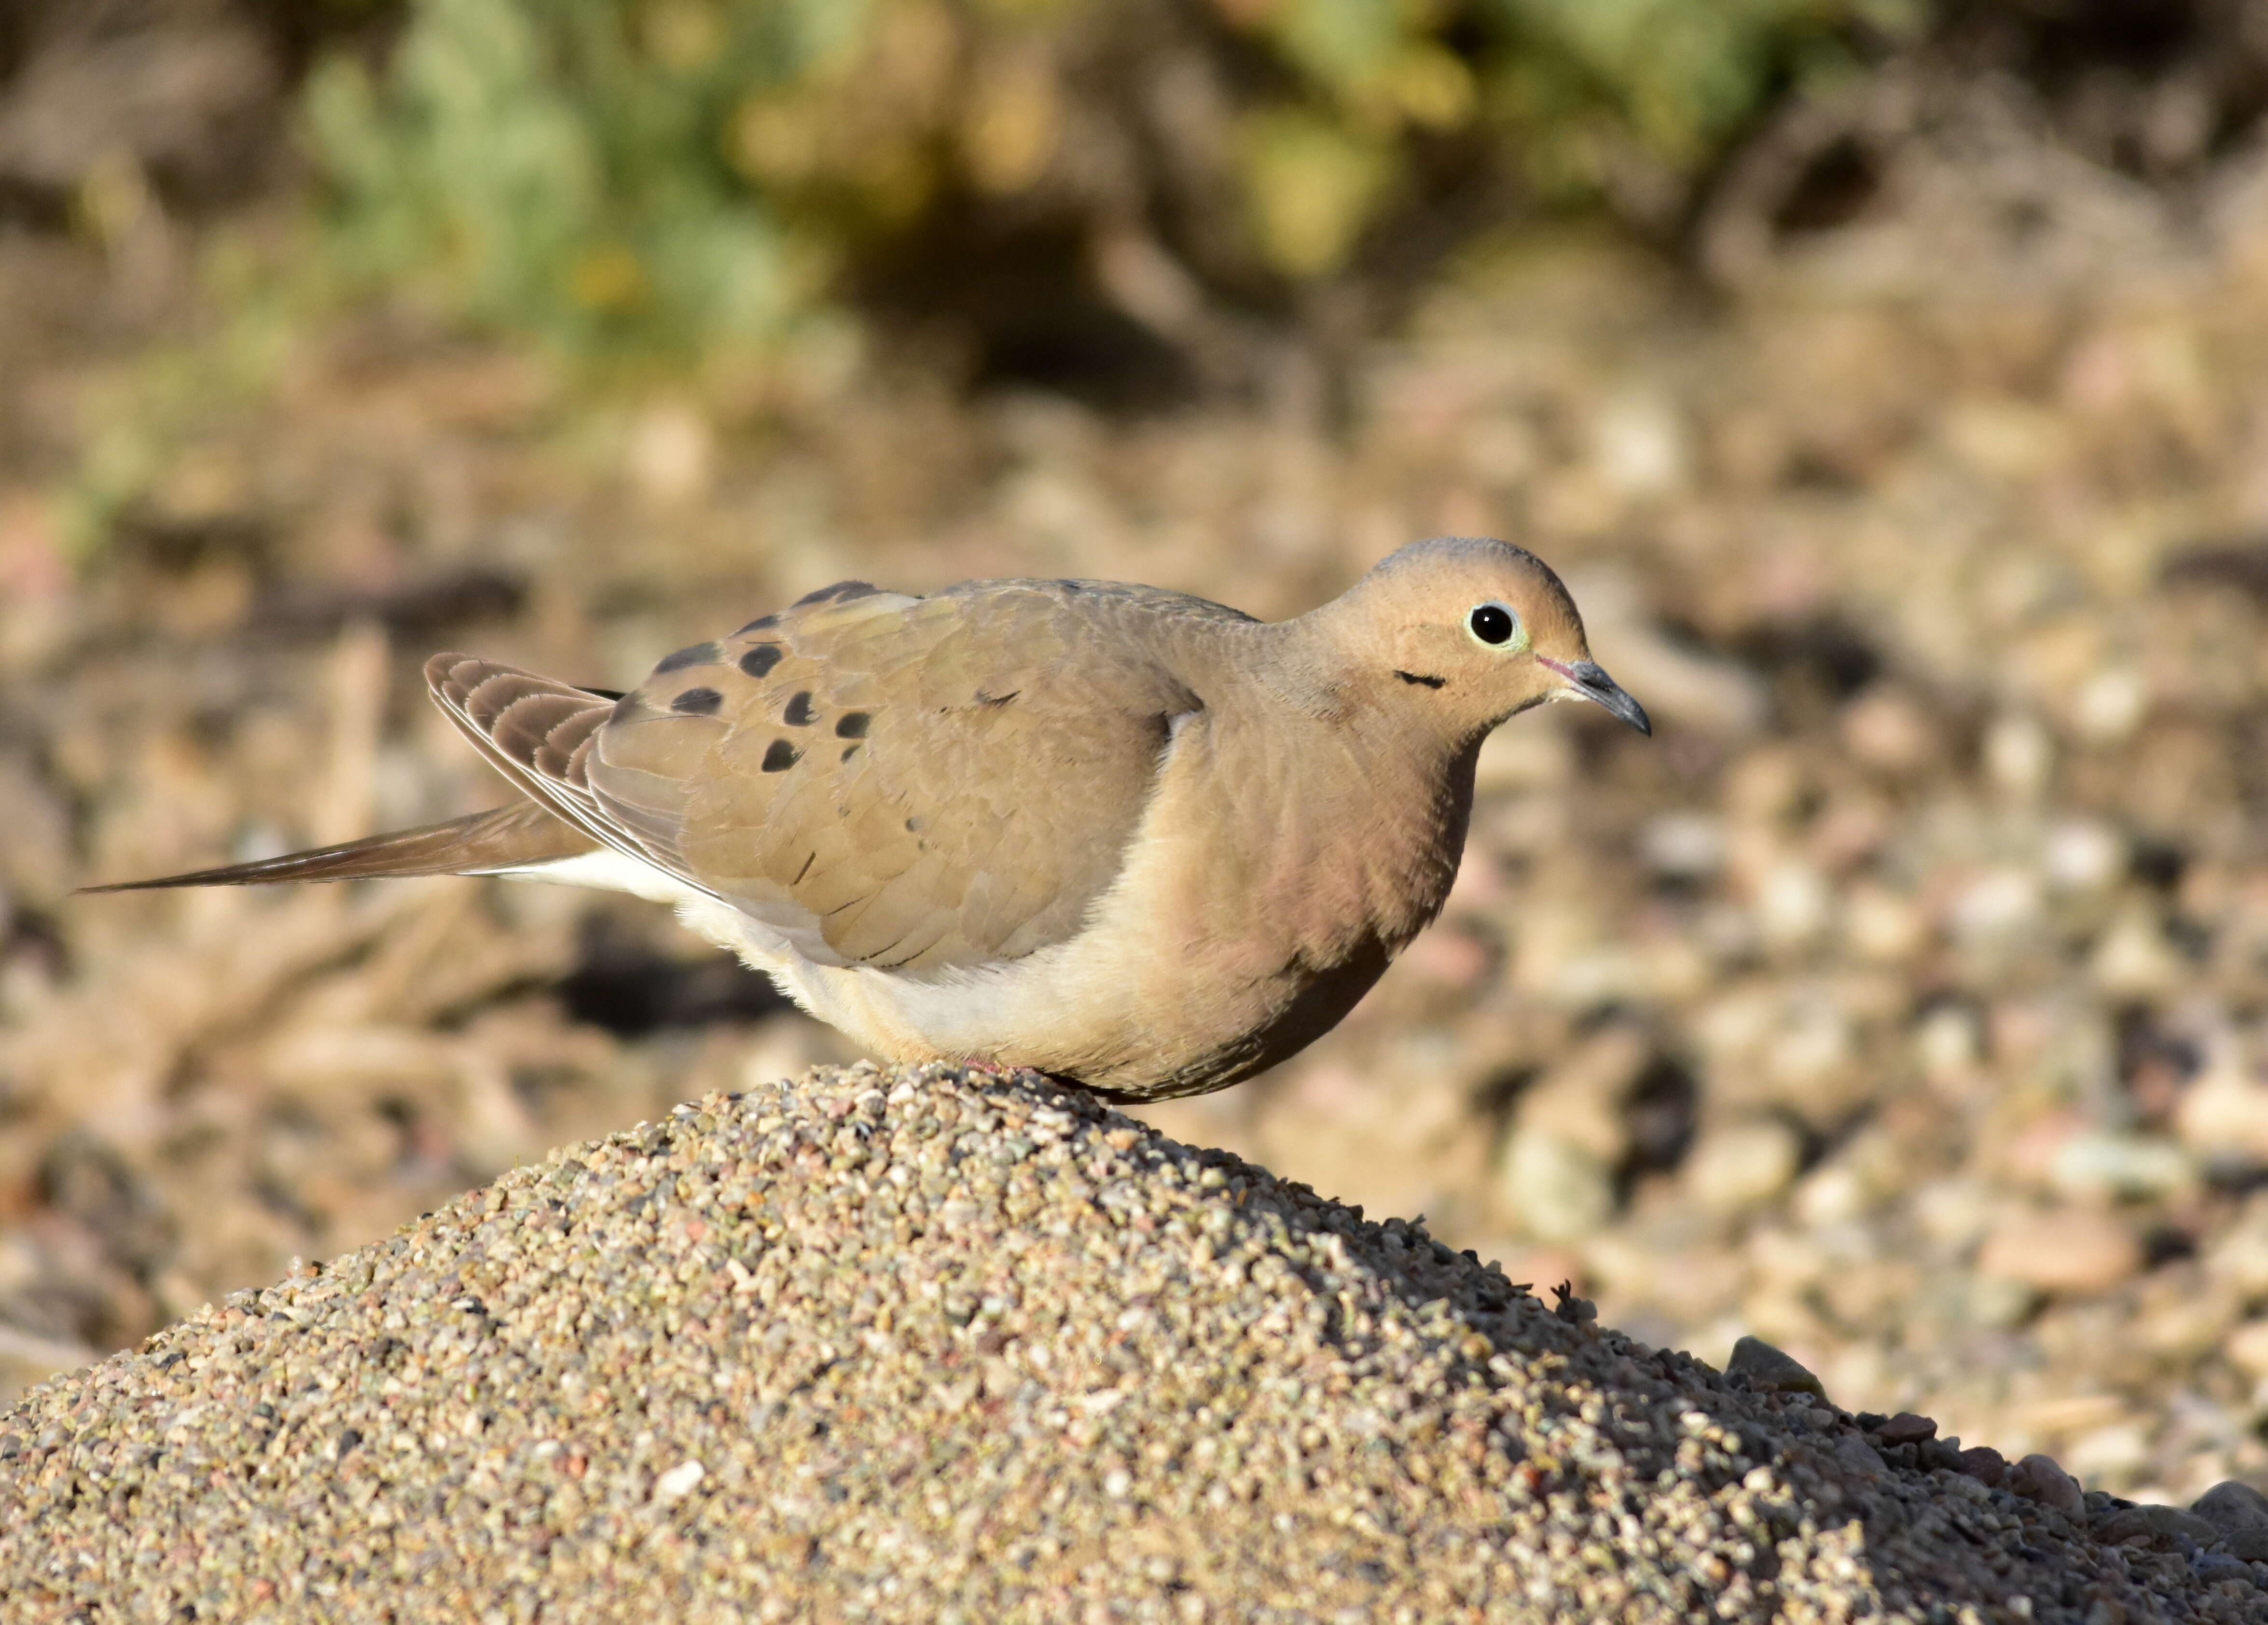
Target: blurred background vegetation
<point x="1133" y="198"/>
<point x="1140" y="202"/>
<point x="669" y="176"/>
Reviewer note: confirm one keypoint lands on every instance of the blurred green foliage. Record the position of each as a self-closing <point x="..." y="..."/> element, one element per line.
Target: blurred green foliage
<point x="561" y="165"/>
<point x="1679" y="77"/>
<point x="668" y="176"/>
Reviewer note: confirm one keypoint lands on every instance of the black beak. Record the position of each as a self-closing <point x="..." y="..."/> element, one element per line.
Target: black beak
<point x="1591" y="681"/>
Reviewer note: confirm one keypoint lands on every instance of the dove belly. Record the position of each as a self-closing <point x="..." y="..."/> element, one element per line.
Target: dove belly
<point x="1080" y="1010"/>
<point x="1152" y="999"/>
<point x="1131" y="1023"/>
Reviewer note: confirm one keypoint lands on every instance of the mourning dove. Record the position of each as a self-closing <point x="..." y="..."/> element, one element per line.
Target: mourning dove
<point x="1124" y="836"/>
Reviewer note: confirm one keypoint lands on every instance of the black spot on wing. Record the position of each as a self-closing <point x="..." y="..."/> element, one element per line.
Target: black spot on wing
<point x="780" y="756"/>
<point x="852" y="725"/>
<point x="799" y="713"/>
<point x="697" y="703"/>
<point x="695" y="655"/>
<point x="983" y="698"/>
<point x="758" y="625"/>
<point x="852" y="751"/>
<point x="760" y="659"/>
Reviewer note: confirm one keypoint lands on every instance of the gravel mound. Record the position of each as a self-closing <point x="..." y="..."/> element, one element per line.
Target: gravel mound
<point x="912" y="1345"/>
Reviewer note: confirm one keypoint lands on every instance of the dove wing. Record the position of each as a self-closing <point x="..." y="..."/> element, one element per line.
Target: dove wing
<point x="908" y="783"/>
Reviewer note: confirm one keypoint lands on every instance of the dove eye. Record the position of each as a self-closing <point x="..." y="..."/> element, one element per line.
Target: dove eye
<point x="1492" y="623"/>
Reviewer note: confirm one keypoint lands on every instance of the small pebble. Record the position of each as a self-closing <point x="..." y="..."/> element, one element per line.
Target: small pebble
<point x="2042" y="1480"/>
<point x="1988" y="1466"/>
<point x="2252" y="1545"/>
<point x="1905" y="1428"/>
<point x="2079" y="1251"/>
<point x="2154" y="1523"/>
<point x="1769" y="1370"/>
<point x="2229" y="1506"/>
<point x="1743" y="1166"/>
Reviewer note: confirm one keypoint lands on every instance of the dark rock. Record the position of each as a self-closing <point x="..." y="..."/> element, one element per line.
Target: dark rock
<point x="1769" y="1371"/>
<point x="2039" y="1478"/>
<point x="2230" y="1505"/>
<point x="2154" y="1523"/>
<point x="1905" y="1428"/>
<point x="1988" y="1466"/>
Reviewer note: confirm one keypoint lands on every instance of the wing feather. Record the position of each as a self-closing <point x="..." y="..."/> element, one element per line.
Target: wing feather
<point x="519" y="837"/>
<point x="478" y="695"/>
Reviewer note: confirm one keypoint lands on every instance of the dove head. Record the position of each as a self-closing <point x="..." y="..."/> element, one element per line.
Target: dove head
<point x="1463" y="632"/>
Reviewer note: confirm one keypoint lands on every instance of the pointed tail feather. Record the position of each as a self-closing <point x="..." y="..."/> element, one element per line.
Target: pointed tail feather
<point x="502" y="838"/>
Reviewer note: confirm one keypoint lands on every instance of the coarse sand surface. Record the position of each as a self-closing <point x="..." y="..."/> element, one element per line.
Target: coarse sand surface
<point x="919" y="1345"/>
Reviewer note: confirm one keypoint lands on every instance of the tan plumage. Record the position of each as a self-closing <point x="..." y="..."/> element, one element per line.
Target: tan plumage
<point x="1115" y="833"/>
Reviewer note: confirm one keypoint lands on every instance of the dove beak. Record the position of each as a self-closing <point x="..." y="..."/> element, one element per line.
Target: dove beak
<point x="1589" y="680"/>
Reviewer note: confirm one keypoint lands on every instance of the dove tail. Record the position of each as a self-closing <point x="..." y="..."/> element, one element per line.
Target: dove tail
<point x="502" y="838"/>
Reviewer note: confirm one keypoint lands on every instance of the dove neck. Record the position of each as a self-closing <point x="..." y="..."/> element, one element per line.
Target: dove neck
<point x="1326" y="665"/>
<point x="1333" y="783"/>
<point x="1360" y="822"/>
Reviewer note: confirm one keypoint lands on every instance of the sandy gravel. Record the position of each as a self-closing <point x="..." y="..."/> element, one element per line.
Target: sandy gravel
<point x="912" y="1346"/>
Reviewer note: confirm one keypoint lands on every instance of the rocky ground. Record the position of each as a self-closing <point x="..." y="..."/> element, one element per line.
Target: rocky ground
<point x="1900" y="1003"/>
<point x="911" y="1345"/>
